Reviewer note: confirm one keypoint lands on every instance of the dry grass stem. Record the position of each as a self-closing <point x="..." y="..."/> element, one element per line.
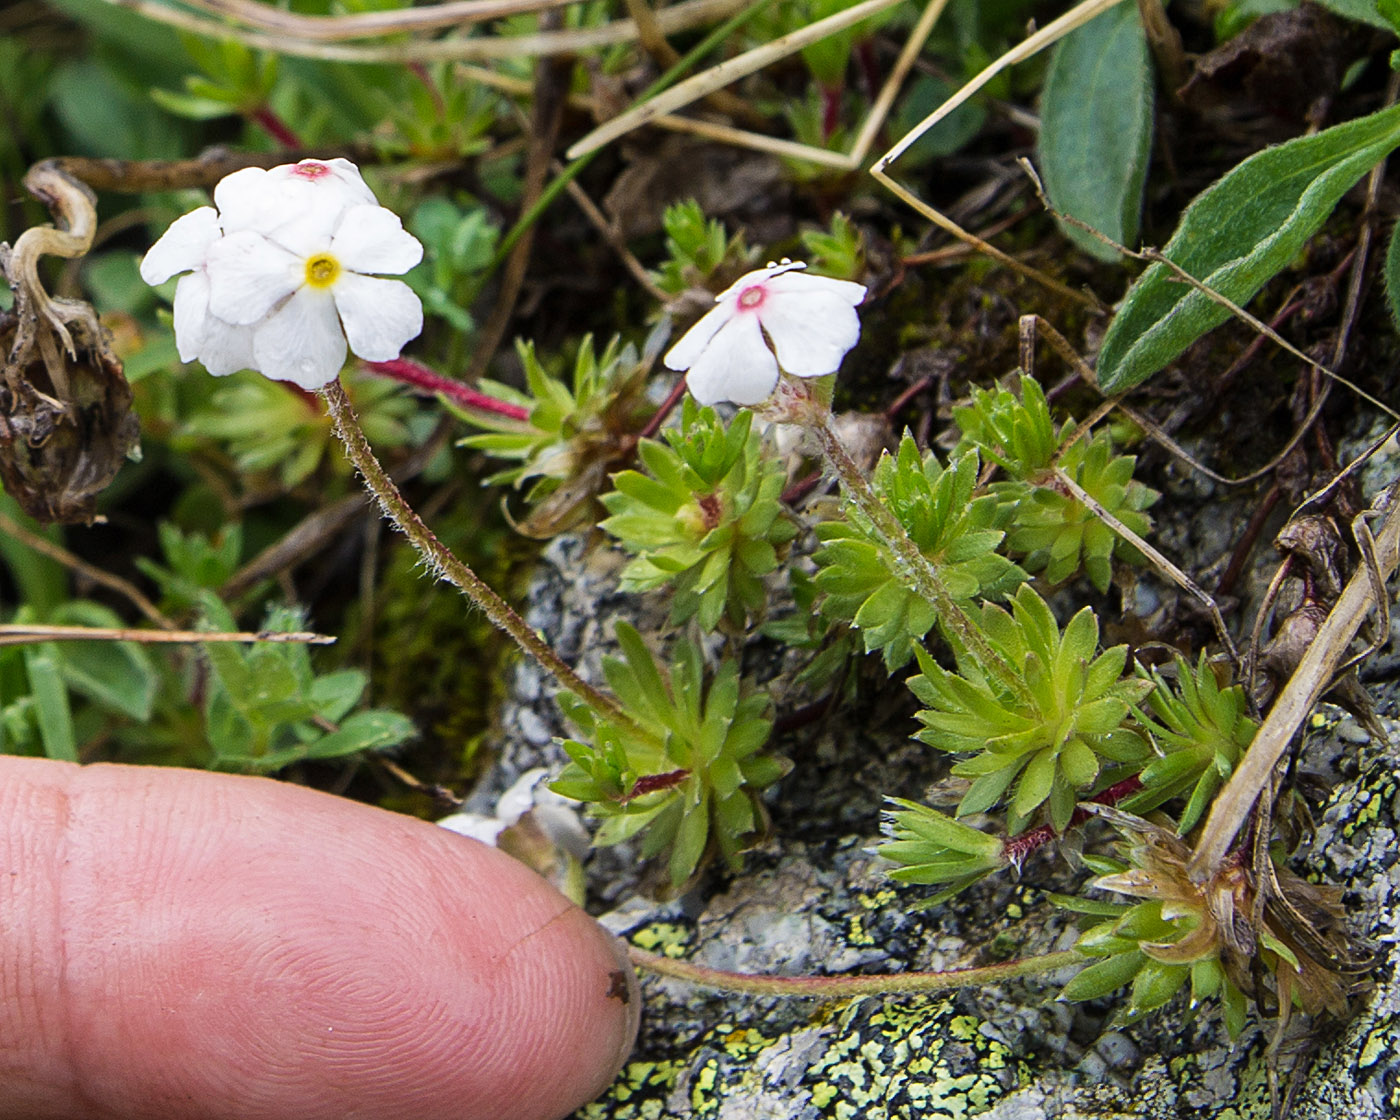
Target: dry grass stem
<point x="717" y="77"/>
<point x="17" y="634"/>
<point x="684" y="16"/>
<point x="1159" y="561"/>
<point x="365" y="25"/>
<point x="1031" y="45"/>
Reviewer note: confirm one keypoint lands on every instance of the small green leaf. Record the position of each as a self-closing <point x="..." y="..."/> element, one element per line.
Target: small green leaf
<point x="1096" y="128"/>
<point x="1206" y="977"/>
<point x="1156" y="983"/>
<point x="1103" y="977"/>
<point x="1079" y="763"/>
<point x="363" y="731"/>
<point x="1035" y="784"/>
<point x="50" y="694"/>
<point x="192" y="106"/>
<point x="1235" y="237"/>
<point x="1235" y="1008"/>
<point x="334" y="694"/>
<point x="1363" y="11"/>
<point x="690" y="843"/>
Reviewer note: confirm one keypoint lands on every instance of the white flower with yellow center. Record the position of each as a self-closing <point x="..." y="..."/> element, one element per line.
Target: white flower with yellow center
<point x="278" y="274"/>
<point x="771" y="319"/>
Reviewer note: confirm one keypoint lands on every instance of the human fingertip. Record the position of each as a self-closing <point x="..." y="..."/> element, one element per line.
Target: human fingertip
<point x="195" y="945"/>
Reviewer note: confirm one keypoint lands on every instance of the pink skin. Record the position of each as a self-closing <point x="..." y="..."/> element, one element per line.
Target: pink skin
<point x="175" y="944"/>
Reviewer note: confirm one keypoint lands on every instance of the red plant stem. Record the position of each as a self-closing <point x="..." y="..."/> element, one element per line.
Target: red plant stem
<point x="421" y="377"/>
<point x="871" y="75"/>
<point x="800" y="489"/>
<point x="908" y="395"/>
<point x="1017" y="848"/>
<point x="831" y="110"/>
<point x="1248" y="539"/>
<point x="659" y="417"/>
<point x="419" y="71"/>
<point x="275" y="127"/>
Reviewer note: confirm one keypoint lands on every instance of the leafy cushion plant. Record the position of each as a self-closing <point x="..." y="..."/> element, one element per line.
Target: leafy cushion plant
<point x="1055" y="744"/>
<point x="705" y="518"/>
<point x="1200" y="730"/>
<point x="1049" y="529"/>
<point x="685" y="773"/>
<point x="956" y="531"/>
<point x="574" y="432"/>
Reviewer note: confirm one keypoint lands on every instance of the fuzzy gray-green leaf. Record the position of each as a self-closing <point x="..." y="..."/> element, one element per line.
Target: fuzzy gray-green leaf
<point x="1235" y="237"/>
<point x="1096" y="128"/>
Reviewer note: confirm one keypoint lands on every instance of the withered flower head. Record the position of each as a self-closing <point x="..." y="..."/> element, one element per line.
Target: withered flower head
<point x="66" y="423"/>
<point x="1281" y="942"/>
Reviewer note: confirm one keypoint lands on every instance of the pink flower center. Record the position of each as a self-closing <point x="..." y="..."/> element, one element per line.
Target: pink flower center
<point x="750" y="298"/>
<point x="310" y="169"/>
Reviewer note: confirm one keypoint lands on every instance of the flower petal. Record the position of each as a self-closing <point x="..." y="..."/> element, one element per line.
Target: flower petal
<point x="759" y="276"/>
<point x="242" y="199"/>
<point x="226" y="348"/>
<point x="222" y="347"/>
<point x="267" y="201"/>
<point x="301" y="342"/>
<point x="687" y="351"/>
<point x="249" y="275"/>
<point x="811" y="330"/>
<point x="379" y="316"/>
<point x="191" y="314"/>
<point x="182" y="247"/>
<point x="341" y="179"/>
<point x="736" y="366"/>
<point x="372" y="239"/>
<point x="845" y="290"/>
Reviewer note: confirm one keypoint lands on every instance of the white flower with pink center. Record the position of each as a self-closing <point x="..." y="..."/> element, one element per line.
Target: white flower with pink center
<point x="775" y="319"/>
<point x="281" y="274"/>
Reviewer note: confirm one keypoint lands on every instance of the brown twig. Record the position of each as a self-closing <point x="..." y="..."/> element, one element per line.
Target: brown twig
<point x="546" y="114"/>
<point x="56" y="552"/>
<point x="366" y="25"/>
<point x="613" y="236"/>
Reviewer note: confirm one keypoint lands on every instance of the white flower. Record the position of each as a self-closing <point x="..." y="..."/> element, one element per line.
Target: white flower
<point x="184" y="247"/>
<point x="277" y="276"/>
<point x="773" y="318"/>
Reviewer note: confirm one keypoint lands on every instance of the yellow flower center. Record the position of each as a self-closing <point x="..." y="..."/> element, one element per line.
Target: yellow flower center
<point x="322" y="270"/>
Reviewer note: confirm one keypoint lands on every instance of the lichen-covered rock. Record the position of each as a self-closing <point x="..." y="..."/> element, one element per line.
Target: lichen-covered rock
<point x="816" y="900"/>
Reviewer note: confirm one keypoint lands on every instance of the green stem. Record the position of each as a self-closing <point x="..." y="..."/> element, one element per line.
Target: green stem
<point x="918" y="568"/>
<point x="846" y="987"/>
<point x="445" y="563"/>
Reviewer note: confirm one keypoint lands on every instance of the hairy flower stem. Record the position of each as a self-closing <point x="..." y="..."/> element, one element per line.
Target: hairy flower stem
<point x="846" y="987"/>
<point x="446" y="564"/>
<point x="918" y="569"/>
